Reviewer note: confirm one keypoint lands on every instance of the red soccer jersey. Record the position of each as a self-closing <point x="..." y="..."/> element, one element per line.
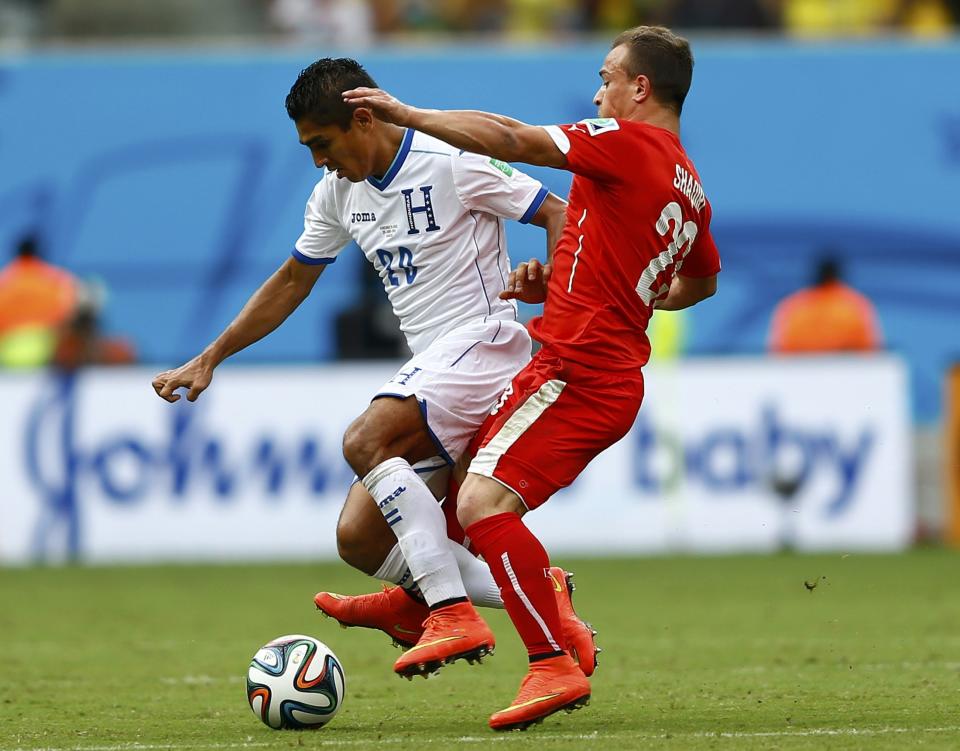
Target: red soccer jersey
<point x="637" y="215"/>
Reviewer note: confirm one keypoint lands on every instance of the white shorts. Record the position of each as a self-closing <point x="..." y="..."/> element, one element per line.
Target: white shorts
<point x="458" y="379"/>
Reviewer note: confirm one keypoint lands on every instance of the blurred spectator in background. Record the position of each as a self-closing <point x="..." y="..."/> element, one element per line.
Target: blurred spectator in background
<point x="22" y="21"/>
<point x="927" y="17"/>
<point x="859" y="17"/>
<point x="80" y="341"/>
<point x="829" y="316"/>
<point x="525" y="19"/>
<point x="338" y="22"/>
<point x="720" y="14"/>
<point x="36" y="297"/>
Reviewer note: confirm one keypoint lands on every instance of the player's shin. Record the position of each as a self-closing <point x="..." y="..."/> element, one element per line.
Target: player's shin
<point x="519" y="564"/>
<point x="478" y="582"/>
<point x="396" y="571"/>
<point x="481" y="587"/>
<point x="419" y="524"/>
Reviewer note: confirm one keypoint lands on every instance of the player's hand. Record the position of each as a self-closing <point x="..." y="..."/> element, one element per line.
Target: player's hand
<point x="195" y="376"/>
<point x="384" y="106"/>
<point x="528" y="282"/>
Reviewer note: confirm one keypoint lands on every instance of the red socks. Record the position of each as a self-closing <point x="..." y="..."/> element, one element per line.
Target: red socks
<point x="519" y="565"/>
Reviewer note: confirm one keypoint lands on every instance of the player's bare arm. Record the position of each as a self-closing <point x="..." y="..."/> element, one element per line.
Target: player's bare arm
<point x="528" y="281"/>
<point x="686" y="291"/>
<point x="266" y="309"/>
<point x="479" y="132"/>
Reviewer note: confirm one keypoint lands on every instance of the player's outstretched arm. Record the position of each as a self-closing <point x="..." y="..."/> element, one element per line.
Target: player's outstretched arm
<point x="471" y="130"/>
<point x="266" y="309"/>
<point x="686" y="291"/>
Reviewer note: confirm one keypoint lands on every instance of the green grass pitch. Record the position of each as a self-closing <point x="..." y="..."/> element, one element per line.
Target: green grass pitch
<point x="780" y="652"/>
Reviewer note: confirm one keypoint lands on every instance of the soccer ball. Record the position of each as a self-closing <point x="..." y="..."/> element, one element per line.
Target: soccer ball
<point x="295" y="681"/>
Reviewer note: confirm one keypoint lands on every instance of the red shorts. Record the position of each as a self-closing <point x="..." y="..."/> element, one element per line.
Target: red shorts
<point x="554" y="418"/>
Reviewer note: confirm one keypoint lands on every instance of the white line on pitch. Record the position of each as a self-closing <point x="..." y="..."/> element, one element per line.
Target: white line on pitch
<point x="506" y="738"/>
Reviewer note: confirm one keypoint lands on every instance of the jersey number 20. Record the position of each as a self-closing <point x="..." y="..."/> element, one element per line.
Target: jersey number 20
<point x="684" y="233"/>
<point x="404" y="264"/>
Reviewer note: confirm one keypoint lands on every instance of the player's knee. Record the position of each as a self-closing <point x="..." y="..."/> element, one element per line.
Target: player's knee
<point x="368" y="442"/>
<point x="472" y="506"/>
<point x="359" y="447"/>
<point x="354" y="547"/>
<point x="480" y="497"/>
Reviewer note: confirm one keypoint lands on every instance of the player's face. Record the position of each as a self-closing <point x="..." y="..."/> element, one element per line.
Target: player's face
<point x="615" y="97"/>
<point x="348" y="153"/>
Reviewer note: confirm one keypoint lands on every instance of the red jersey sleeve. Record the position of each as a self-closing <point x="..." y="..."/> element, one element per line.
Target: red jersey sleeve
<point x="595" y="148"/>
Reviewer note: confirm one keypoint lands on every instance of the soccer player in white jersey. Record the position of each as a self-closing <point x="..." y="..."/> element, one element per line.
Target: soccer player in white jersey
<point x="429" y="217"/>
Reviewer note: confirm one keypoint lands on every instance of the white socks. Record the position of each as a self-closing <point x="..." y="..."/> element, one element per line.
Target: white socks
<point x="477" y="579"/>
<point x="420" y="526"/>
<point x="396" y="571"/>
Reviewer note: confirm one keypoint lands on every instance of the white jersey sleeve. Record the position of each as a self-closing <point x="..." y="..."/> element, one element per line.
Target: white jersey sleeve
<point x="495" y="187"/>
<point x="324" y="236"/>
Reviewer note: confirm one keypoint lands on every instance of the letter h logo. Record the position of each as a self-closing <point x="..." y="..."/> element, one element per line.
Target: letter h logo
<point x="427" y="209"/>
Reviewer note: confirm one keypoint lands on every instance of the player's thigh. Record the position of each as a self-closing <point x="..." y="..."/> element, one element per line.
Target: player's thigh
<point x="389" y="427"/>
<point x="552" y="430"/>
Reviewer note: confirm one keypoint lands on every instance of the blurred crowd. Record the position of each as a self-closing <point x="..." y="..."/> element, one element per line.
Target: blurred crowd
<point x="363" y="22"/>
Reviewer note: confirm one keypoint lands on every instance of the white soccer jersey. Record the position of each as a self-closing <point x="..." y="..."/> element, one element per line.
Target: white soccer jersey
<point x="432" y="227"/>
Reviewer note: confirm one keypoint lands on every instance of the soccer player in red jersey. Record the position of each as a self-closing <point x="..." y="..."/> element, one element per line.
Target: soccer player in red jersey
<point x="637" y="238"/>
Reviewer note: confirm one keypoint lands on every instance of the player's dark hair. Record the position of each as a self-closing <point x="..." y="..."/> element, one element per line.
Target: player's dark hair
<point x="663" y="57"/>
<point x="317" y="92"/>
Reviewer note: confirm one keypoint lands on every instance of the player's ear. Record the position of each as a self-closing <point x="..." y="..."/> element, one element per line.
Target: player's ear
<point x="363" y="117"/>
<point x="642" y="89"/>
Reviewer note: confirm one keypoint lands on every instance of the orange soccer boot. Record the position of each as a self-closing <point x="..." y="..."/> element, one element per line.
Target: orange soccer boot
<point x="551" y="685"/>
<point x="392" y="611"/>
<point x="577" y="633"/>
<point x="450" y="633"/>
